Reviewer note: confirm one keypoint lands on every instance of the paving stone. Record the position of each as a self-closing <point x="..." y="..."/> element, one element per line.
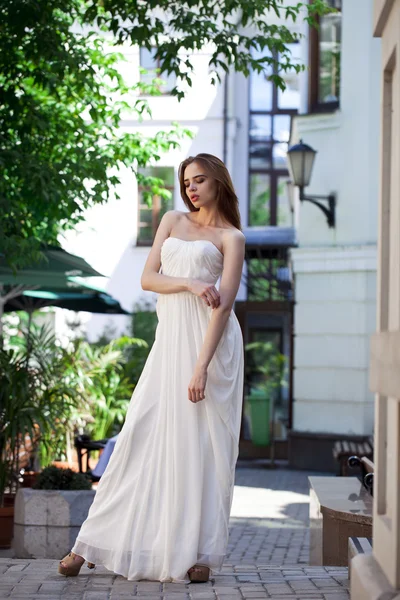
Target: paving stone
<point x="43" y="597"/>
<point x="302" y="585"/>
<point x="175" y="597"/>
<point x="325" y="583"/>
<point x="36" y="597"/>
<point x="147" y="597"/>
<point x="12" y="577"/>
<point x="227" y="591"/>
<point x="278" y="588"/>
<point x="144" y="593"/>
<point x="16" y="568"/>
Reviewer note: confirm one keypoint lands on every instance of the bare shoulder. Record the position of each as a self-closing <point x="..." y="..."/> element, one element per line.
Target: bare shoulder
<point x="171" y="217"/>
<point x="233" y="238"/>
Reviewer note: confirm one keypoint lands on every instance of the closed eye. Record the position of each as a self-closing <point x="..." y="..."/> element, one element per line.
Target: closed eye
<point x="197" y="181"/>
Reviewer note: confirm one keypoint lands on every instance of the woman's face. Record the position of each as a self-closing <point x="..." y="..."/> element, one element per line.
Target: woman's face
<point x="201" y="189"/>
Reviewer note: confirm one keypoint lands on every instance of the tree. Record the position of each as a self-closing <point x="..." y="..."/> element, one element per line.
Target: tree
<point x="235" y="28"/>
<point x="61" y="102"/>
<point x="62" y="97"/>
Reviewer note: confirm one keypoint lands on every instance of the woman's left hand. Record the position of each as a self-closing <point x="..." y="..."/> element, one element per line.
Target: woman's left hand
<point x="197" y="385"/>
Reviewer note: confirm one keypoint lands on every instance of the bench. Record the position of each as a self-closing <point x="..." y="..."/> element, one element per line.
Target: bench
<point x="367" y="468"/>
<point x="340" y="508"/>
<point x="343" y="449"/>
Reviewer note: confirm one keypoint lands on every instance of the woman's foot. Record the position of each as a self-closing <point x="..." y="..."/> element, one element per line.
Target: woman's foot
<point x="199" y="573"/>
<point x="71" y="564"/>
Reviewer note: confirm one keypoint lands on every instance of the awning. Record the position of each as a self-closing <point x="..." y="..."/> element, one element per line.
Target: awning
<point x="269" y="241"/>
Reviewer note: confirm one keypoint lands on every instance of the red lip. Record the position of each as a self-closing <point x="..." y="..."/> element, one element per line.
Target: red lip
<point x="194" y="198"/>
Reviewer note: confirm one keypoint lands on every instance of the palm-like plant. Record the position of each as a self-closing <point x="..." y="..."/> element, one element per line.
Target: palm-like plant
<point x="17" y="417"/>
<point x="267" y="368"/>
<point x="104" y="386"/>
<point x="266" y="371"/>
<point x="34" y="401"/>
<point x="49" y="393"/>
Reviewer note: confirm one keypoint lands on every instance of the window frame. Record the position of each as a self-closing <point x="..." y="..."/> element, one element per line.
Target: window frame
<point x="274" y="174"/>
<point x="314" y="104"/>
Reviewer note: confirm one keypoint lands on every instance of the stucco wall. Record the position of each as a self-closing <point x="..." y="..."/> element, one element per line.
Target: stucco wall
<point x="335" y="269"/>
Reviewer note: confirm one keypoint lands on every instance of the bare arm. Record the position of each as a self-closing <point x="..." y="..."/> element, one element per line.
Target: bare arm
<point x="151" y="278"/>
<point x="155" y="281"/>
<point x="230" y="281"/>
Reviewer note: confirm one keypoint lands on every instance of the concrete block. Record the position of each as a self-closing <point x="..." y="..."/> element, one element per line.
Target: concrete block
<point x="331" y="385"/>
<point x="30" y="541"/>
<point x="324" y="417"/>
<point x="46" y="522"/>
<point x="29" y="511"/>
<point x="332" y="351"/>
<point x="340" y="318"/>
<point x="59" y="513"/>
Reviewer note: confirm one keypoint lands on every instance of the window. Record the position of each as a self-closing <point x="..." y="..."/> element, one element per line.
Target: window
<point x="150" y="62"/>
<point x="271" y="111"/>
<point x="325" y="50"/>
<point x="150" y="216"/>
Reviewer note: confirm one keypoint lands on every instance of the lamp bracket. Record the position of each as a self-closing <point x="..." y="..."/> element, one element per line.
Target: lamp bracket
<point x="329" y="211"/>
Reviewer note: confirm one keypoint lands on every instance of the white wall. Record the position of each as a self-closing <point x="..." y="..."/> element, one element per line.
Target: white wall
<point x="335" y="269"/>
<point x="334" y="318"/>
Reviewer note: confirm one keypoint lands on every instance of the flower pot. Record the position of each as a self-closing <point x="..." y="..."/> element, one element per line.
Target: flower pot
<point x="46" y="522"/>
<point x="29" y="478"/>
<point x="7" y="521"/>
<point x="9" y="500"/>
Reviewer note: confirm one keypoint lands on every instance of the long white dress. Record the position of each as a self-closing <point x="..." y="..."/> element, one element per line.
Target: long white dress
<point x="164" y="501"/>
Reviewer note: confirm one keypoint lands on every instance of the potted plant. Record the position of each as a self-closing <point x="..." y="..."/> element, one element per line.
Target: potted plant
<point x="19" y="419"/>
<point x="34" y="400"/>
<point x="266" y="377"/>
<point x="48" y="516"/>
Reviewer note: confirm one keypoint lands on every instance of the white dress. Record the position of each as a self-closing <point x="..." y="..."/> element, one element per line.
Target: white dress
<point x="164" y="500"/>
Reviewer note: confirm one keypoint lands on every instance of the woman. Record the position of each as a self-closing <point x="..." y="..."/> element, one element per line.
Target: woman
<point x="162" y="507"/>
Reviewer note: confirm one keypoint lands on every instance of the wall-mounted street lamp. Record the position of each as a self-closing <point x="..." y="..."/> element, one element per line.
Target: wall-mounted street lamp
<point x="301" y="159"/>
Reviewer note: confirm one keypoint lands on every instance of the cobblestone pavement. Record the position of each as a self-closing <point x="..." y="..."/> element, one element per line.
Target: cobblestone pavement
<point x="267" y="556"/>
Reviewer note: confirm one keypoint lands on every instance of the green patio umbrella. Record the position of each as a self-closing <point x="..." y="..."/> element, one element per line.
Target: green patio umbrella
<point x="56" y="271"/>
<point x="81" y="299"/>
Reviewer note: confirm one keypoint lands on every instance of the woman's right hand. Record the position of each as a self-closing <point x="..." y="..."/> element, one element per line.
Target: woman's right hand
<point x="205" y="291"/>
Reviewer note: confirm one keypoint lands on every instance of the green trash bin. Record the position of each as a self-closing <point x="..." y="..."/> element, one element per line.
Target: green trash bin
<point x="259" y="417"/>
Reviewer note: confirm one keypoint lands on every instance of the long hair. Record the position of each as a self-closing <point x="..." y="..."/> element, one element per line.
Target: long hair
<point x="227" y="201"/>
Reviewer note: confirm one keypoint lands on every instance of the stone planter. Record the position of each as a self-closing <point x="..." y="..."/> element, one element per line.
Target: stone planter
<point x="46" y="522"/>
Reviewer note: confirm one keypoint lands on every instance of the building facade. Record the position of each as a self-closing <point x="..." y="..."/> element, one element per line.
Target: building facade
<point x="308" y="291"/>
<point x="378" y="575"/>
<point x="335" y="268"/>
